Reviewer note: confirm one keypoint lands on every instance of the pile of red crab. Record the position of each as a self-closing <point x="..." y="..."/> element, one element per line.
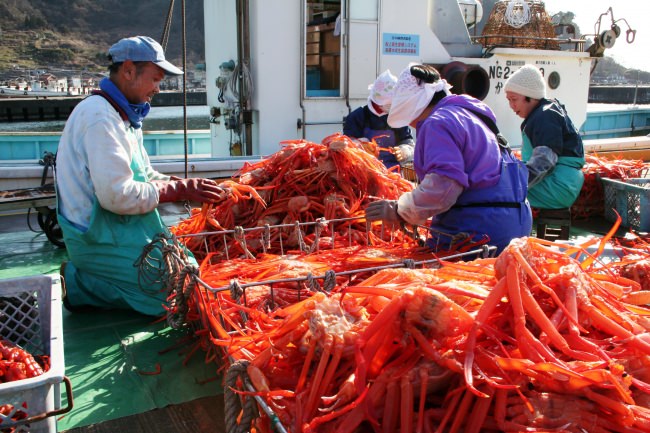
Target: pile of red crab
<point x="543" y="338"/>
<point x="18" y="364"/>
<point x="302" y="182"/>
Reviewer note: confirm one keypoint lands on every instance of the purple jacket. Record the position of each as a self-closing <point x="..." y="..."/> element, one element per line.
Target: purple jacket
<point x="455" y="143"/>
<point x="452" y="142"/>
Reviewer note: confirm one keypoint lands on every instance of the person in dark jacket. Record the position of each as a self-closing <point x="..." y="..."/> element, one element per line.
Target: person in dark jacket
<point x="551" y="145"/>
<point x="370" y="122"/>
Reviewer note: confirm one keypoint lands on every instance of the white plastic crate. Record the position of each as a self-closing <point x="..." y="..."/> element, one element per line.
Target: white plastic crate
<point x="30" y="316"/>
<point x="631" y="199"/>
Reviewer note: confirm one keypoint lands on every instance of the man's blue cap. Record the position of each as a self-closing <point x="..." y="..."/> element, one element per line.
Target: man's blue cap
<point x="141" y="49"/>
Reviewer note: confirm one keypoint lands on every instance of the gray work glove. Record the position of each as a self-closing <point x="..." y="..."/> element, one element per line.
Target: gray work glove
<point x="383" y="210"/>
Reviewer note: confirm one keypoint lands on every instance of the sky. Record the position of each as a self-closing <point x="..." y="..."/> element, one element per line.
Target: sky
<point x="635" y="12"/>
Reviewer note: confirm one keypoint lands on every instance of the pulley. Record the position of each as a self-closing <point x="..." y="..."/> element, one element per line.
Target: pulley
<point x="607" y="38"/>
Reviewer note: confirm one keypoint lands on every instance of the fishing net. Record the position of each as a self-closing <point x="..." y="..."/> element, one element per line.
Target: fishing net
<point x="519" y="24"/>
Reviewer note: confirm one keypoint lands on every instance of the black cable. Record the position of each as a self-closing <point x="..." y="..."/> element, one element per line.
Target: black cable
<point x="29" y="223"/>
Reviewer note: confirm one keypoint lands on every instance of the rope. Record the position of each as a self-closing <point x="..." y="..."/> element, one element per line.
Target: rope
<point x="178" y="300"/>
<point x="160" y="262"/>
<point x="266" y="238"/>
<point x="232" y="91"/>
<point x="321" y="224"/>
<point x="234" y="404"/>
<point x="301" y="241"/>
<point x="329" y="282"/>
<point x="517" y="14"/>
<point x="312" y="283"/>
<point x="236" y="292"/>
<point x="485" y="251"/>
<point x="240" y="237"/>
<point x="409" y="263"/>
<point x="164" y="263"/>
<point x="164" y="38"/>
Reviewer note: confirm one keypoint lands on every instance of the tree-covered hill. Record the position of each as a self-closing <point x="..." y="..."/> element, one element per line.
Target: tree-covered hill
<point x="76" y="34"/>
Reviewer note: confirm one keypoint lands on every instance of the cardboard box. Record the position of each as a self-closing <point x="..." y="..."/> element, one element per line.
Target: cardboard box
<point x="330" y="71"/>
<point x="313" y="48"/>
<point x="313" y="60"/>
<point x="313" y="35"/>
<point x="329" y="43"/>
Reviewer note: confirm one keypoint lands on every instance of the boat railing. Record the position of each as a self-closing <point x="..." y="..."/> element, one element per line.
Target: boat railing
<point x="29" y="146"/>
<point x="510" y="41"/>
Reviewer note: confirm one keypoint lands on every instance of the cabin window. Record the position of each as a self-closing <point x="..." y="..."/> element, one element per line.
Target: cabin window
<point x="367" y="10"/>
<point x="323" y="48"/>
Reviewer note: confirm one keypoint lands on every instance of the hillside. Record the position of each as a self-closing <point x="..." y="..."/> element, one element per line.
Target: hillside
<point x="76" y="34"/>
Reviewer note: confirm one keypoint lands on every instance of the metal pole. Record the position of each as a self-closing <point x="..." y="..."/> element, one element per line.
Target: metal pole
<point x="184" y="87"/>
<point x="246" y="52"/>
<point x="303" y="67"/>
<point x="636" y="87"/>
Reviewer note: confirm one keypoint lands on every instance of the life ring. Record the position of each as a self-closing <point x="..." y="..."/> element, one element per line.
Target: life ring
<point x="2" y="90"/>
<point x="25" y="92"/>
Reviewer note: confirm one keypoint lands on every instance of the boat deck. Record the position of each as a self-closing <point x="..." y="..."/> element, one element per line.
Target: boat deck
<point x="129" y="373"/>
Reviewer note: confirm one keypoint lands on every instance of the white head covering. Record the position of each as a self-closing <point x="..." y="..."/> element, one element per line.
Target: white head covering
<point x="381" y="92"/>
<point x="411" y="97"/>
<point x="527" y="81"/>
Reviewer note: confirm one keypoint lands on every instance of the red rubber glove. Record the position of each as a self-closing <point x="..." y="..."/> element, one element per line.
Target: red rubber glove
<point x="194" y="189"/>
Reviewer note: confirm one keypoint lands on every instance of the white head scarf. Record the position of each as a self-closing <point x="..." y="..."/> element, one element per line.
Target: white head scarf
<point x="381" y="92"/>
<point x="411" y="97"/>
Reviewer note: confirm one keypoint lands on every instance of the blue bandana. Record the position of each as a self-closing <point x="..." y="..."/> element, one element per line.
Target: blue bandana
<point x="135" y="112"/>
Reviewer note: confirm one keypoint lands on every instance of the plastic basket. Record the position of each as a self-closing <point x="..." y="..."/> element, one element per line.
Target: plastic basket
<point x="631" y="199"/>
<point x="30" y="316"/>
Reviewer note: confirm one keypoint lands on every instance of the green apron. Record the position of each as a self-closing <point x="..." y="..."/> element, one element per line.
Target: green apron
<point x="102" y="271"/>
<point x="560" y="188"/>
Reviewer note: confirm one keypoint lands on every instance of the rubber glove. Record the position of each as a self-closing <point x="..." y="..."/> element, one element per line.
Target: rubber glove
<point x="403" y="153"/>
<point x="384" y="210"/>
<point x="194" y="189"/>
<point x="541" y="163"/>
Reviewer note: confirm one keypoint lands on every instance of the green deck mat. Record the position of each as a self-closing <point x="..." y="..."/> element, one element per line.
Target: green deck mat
<point x="26" y="253"/>
<point x="107" y="357"/>
<point x="107" y="351"/>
